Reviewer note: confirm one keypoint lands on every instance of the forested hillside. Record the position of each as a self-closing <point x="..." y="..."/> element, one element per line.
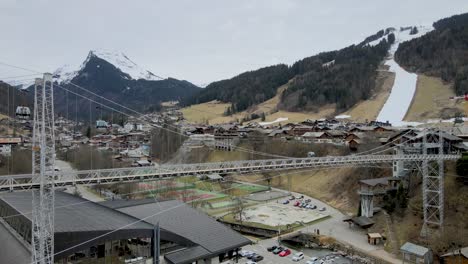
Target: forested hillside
<point x="341" y="77"/>
<point x="442" y="52"/>
<point x="246" y="89"/>
<point x="10" y="98"/>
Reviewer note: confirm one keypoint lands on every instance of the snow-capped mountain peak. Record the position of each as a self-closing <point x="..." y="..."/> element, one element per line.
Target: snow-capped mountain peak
<point x="67" y="72"/>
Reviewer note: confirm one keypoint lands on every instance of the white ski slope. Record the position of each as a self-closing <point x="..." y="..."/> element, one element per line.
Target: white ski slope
<point x="404" y="86"/>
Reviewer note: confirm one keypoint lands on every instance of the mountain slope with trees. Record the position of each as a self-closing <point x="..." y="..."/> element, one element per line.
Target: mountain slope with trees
<point x="107" y="80"/>
<point x="246" y="89"/>
<point x="442" y="52"/>
<point x="341" y="77"/>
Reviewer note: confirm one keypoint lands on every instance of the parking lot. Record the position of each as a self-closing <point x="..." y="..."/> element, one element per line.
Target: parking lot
<point x="270" y="258"/>
<point x="274" y="214"/>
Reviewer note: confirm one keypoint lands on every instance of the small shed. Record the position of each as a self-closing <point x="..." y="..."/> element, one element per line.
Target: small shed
<point x="374" y="238"/>
<point x="413" y="253"/>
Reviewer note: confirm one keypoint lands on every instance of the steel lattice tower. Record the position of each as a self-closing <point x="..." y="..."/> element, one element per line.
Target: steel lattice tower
<point x="433" y="182"/>
<point x="43" y="163"/>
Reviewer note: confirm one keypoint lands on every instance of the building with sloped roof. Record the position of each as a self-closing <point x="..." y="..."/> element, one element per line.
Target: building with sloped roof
<point x="413" y="253"/>
<point x="202" y="237"/>
<point x="89" y="230"/>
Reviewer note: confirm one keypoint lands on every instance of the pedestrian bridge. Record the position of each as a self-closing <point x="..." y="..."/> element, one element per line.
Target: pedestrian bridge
<point x="135" y="174"/>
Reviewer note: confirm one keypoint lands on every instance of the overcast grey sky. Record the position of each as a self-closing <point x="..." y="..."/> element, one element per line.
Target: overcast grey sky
<point x="203" y="40"/>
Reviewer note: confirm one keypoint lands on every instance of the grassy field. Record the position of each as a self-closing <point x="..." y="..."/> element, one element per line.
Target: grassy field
<point x="431" y="100"/>
<point x="201" y="113"/>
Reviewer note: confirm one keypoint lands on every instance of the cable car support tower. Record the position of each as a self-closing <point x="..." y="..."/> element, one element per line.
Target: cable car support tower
<point x="43" y="164"/>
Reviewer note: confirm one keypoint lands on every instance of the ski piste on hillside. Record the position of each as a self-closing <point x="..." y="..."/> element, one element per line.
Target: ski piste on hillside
<point x="404" y="86"/>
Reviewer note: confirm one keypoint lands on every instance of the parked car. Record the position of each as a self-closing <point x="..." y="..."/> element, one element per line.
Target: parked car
<point x="312" y="260"/>
<point x="298" y="256"/>
<point x="292" y="198"/>
<point x="270" y="249"/>
<point x="308" y="200"/>
<point x="244" y="253"/>
<point x="285" y="201"/>
<point x="314" y="207"/>
<point x="285" y="253"/>
<point x="301" y="197"/>
<point x="257" y="258"/>
<point x="251" y="262"/>
<point x="250" y="256"/>
<point x="322" y="209"/>
<point x="297" y="203"/>
<point x="278" y="250"/>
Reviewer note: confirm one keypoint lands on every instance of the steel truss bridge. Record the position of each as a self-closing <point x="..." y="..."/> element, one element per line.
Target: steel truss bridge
<point x="134" y="174"/>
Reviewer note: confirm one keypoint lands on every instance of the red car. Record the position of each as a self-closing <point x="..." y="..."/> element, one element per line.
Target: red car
<point x="297" y="203"/>
<point x="285" y="253"/>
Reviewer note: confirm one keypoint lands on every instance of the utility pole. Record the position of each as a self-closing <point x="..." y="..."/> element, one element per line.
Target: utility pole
<point x="43" y="173"/>
<point x="156" y="244"/>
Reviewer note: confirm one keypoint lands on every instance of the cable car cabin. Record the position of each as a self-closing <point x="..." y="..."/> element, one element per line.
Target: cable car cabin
<point x="101" y="125"/>
<point x="23" y="113"/>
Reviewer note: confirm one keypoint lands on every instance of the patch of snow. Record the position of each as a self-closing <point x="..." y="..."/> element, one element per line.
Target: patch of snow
<point x="377" y="41"/>
<point x="121" y="61"/>
<point x="279" y="119"/>
<point x="328" y="64"/>
<point x="342" y="116"/>
<point x="404" y="86"/>
<point x="67" y="72"/>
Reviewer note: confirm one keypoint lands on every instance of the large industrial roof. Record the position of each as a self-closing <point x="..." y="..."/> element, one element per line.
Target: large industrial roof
<point x="187" y="255"/>
<point x="78" y="220"/>
<point x="75" y="214"/>
<point x="180" y="219"/>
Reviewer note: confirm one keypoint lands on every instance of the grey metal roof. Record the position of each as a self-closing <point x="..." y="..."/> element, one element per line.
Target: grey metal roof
<point x="445" y="135"/>
<point x="374" y="182"/>
<point x="78" y="220"/>
<point x="75" y="214"/>
<point x="414" y="249"/>
<point x="363" y="221"/>
<point x="187" y="255"/>
<point x="182" y="220"/>
<point x="12" y="250"/>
